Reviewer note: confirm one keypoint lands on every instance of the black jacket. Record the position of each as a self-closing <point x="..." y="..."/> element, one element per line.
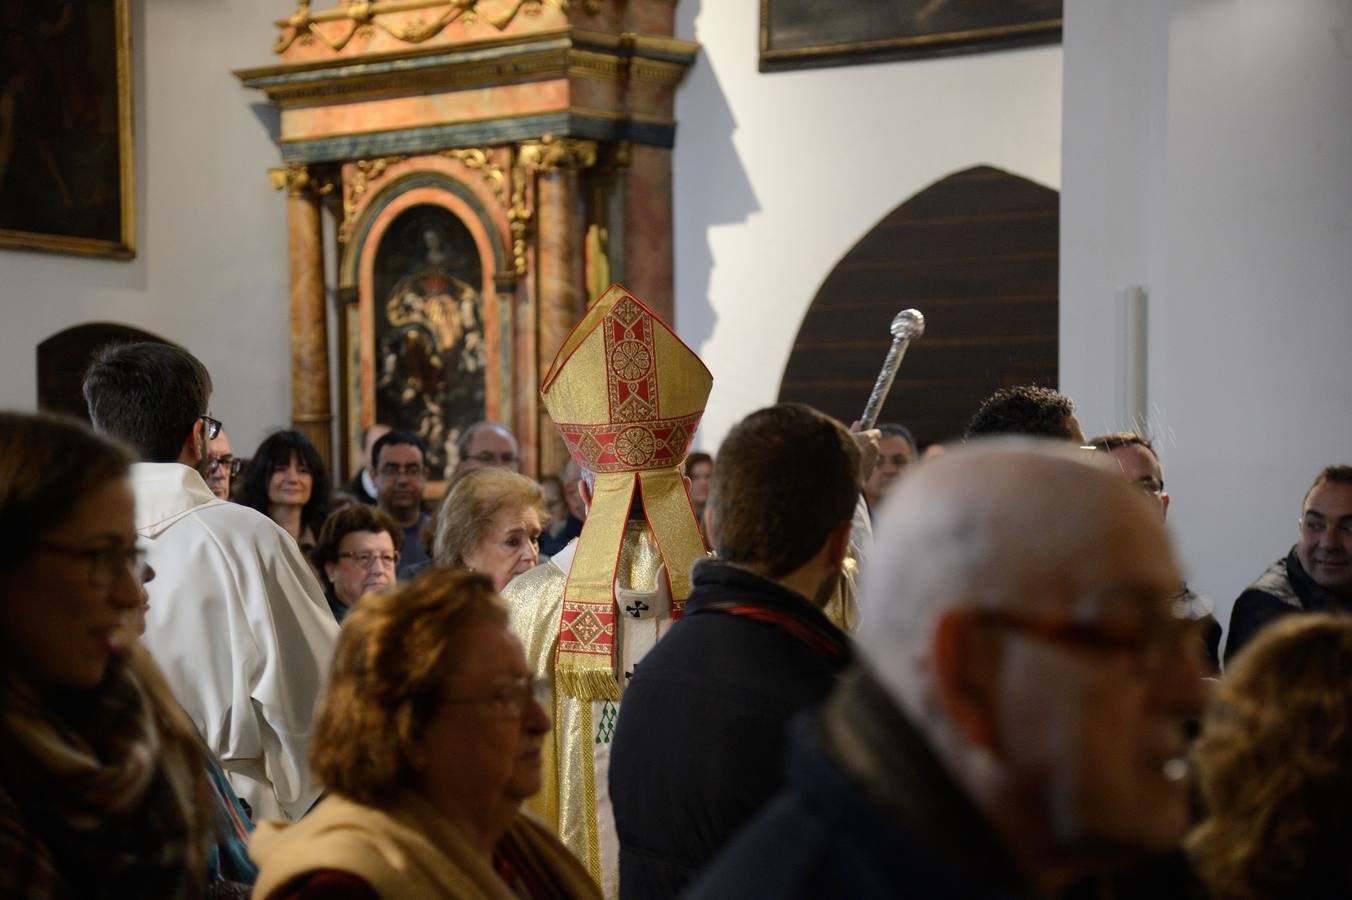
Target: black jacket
<point x="1283" y="589"/>
<point x="699" y="746"/>
<point x="915" y="834"/>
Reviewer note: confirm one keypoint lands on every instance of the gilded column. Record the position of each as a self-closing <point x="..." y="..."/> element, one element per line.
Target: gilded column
<point x="560" y="265"/>
<point x="311" y="412"/>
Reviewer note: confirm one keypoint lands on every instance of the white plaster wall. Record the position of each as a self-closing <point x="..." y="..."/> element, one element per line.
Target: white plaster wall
<point x="210" y="271"/>
<point x="1206" y="158"/>
<point x="778" y="175"/>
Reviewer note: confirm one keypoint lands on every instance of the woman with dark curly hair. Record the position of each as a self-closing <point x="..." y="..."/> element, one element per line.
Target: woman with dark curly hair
<point x="287" y="482"/>
<point x="358" y="551"/>
<point x="430" y="737"/>
<point x="1274" y="765"/>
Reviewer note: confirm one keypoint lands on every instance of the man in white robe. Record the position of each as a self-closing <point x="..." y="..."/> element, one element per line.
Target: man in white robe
<point x="237" y="620"/>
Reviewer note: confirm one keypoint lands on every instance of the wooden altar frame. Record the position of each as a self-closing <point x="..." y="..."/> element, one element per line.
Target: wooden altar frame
<point x="545" y="126"/>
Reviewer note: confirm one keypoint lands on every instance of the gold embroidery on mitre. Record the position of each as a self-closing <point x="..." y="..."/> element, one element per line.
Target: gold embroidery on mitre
<point x="626" y="396"/>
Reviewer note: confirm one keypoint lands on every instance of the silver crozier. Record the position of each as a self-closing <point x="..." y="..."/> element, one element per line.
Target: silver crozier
<point x="908" y="325"/>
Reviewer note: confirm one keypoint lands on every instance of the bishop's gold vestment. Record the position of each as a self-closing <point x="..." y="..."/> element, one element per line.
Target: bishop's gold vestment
<point x="574" y="798"/>
<point x="626" y="396"/>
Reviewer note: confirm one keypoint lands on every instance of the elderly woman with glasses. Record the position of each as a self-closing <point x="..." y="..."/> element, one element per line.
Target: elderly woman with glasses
<point x="358" y="551"/>
<point x="429" y="740"/>
<point x="102" y="787"/>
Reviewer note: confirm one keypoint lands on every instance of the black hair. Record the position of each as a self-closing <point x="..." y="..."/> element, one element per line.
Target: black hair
<point x="275" y="453"/>
<point x="391" y="438"/>
<point x="1026" y="409"/>
<point x="149" y="395"/>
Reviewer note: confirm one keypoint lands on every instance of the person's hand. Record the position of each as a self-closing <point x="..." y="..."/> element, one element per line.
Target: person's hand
<point x="867" y="439"/>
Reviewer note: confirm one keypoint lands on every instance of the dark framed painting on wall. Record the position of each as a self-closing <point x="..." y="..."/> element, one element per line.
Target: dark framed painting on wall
<point x="429" y="331"/>
<point x="796" y="34"/>
<point x="66" y="167"/>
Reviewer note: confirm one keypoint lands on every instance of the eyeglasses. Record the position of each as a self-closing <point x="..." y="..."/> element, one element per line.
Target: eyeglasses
<point x="106" y="564"/>
<point x="394" y="470"/>
<point x="213" y="427"/>
<point x="488" y="457"/>
<point x="1151" y="645"/>
<point x="229" y="463"/>
<point x="1315" y="525"/>
<point x="511" y="702"/>
<point x="364" y="559"/>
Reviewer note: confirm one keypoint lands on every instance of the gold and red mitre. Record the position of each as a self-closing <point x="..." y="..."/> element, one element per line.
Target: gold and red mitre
<point x="626" y="394"/>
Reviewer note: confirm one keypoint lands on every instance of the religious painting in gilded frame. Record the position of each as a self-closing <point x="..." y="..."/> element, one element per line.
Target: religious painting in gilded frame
<point x="66" y="166"/>
<point x="796" y="34"/>
<point x="430" y="341"/>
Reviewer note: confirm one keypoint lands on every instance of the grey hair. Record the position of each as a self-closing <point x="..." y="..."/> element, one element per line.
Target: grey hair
<point x="966" y="532"/>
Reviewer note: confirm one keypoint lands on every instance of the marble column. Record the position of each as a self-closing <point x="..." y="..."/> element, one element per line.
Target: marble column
<point x="561" y="295"/>
<point x="311" y="409"/>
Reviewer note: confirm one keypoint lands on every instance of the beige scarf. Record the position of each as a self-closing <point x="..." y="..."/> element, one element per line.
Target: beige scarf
<point x="408" y="849"/>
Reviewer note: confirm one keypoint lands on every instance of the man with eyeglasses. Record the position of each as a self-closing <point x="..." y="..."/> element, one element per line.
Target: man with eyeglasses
<point x="398" y="467"/>
<point x="1316" y="575"/>
<point x="1135" y="456"/>
<point x="1016" y="725"/>
<point x="237" y="620"/>
<point x="222" y="467"/>
<point x="485" y="444"/>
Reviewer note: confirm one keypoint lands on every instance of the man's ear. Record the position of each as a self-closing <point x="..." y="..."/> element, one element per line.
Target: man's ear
<point x="194" y="444"/>
<point x="584" y="491"/>
<point x="838" y="544"/>
<point x="966" y="667"/>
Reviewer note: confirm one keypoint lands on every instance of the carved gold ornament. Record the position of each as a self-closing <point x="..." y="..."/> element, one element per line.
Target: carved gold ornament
<point x="364" y="172"/>
<point x="299" y="178"/>
<point x="364" y="15"/>
<point x="553" y="154"/>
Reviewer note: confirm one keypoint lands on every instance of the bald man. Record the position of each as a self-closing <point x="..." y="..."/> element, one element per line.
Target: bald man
<point x="1017" y="722"/>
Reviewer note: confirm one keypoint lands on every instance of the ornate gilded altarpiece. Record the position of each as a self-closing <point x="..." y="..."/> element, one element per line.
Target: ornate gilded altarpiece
<point x="490" y="166"/>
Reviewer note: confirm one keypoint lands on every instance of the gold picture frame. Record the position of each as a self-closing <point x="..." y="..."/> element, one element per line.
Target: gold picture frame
<point x="799" y="34"/>
<point x="67" y="166"/>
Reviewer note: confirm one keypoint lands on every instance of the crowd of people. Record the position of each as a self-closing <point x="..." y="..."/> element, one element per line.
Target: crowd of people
<point x="976" y="671"/>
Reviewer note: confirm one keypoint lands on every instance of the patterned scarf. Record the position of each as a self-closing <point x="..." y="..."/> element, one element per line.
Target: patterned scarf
<point x="99" y="804"/>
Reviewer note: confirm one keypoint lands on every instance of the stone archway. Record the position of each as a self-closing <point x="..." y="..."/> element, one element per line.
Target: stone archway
<point x="978" y="254"/>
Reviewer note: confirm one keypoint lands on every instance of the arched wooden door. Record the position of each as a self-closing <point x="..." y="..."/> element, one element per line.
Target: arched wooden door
<point x="977" y="253"/>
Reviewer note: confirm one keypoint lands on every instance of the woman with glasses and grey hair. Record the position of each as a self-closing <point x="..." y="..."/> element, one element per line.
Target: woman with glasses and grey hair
<point x="429" y="739"/>
<point x="102" y="786"/>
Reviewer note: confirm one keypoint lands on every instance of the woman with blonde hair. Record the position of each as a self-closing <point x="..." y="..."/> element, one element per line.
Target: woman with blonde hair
<point x="490" y="523"/>
<point x="1273" y="760"/>
<point x="102" y="788"/>
<point x="429" y="740"/>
